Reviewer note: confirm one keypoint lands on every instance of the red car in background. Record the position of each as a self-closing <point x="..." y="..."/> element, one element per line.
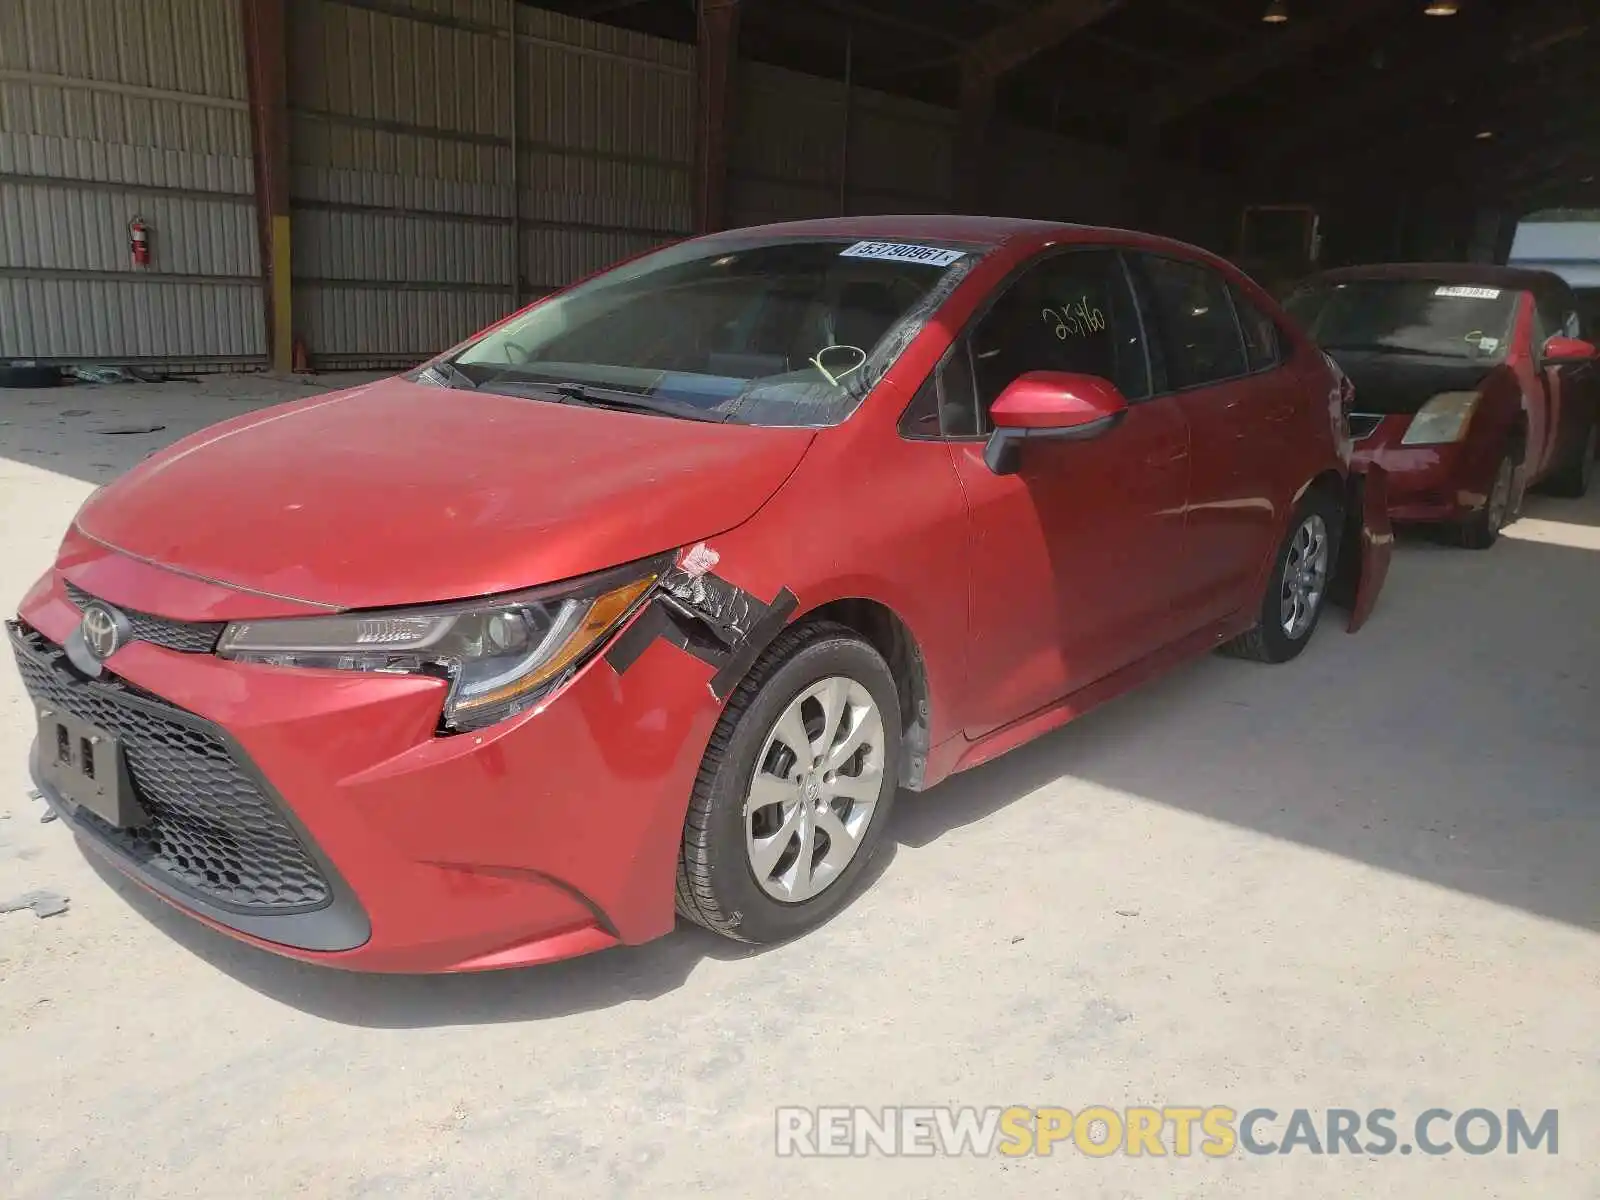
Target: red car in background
<point x="648" y="600"/>
<point x="1471" y="384"/>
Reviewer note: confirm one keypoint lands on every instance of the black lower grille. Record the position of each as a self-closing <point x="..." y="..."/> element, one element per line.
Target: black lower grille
<point x="192" y="637"/>
<point x="212" y="830"/>
<point x="1364" y="425"/>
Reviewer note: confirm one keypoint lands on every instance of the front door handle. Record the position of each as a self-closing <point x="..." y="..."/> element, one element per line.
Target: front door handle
<point x="1167" y="456"/>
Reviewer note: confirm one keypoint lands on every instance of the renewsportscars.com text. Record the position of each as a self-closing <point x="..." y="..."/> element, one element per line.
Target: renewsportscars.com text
<point x="1217" y="1131"/>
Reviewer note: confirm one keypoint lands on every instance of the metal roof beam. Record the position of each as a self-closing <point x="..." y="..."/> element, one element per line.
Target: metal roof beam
<point x="1260" y="57"/>
<point x="1003" y="50"/>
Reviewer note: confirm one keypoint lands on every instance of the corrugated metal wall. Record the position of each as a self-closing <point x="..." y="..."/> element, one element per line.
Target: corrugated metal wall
<point x="789" y="151"/>
<point x="409" y="208"/>
<point x="111" y="109"/>
<point x="439" y="177"/>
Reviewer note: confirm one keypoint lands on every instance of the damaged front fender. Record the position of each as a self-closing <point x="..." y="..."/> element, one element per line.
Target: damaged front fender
<point x="1367" y="545"/>
<point x="706" y="616"/>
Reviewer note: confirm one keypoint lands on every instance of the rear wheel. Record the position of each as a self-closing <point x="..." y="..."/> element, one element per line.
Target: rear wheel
<point x="1298" y="588"/>
<point x="795" y="789"/>
<point x="1574" y="478"/>
<point x="1483" y="529"/>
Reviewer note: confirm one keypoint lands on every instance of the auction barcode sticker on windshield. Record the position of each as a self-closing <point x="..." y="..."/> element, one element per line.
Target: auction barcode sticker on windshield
<point x="1470" y="293"/>
<point x="931" y="256"/>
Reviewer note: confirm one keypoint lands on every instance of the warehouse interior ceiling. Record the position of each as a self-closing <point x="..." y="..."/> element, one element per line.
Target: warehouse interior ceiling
<point x="1498" y="101"/>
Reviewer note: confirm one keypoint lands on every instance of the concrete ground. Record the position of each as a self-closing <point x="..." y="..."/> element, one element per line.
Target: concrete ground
<point x="1368" y="879"/>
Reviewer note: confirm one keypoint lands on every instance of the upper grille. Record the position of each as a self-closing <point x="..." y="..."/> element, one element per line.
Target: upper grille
<point x="1364" y="425"/>
<point x="212" y="830"/>
<point x="192" y="637"/>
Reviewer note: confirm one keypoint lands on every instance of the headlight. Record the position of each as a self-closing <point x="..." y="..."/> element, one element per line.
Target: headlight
<point x="1442" y="419"/>
<point x="501" y="655"/>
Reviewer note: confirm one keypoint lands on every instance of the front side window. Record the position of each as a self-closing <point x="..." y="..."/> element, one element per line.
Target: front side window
<point x="754" y="331"/>
<point x="1430" y="317"/>
<point x="1261" y="337"/>
<point x="1195" y="316"/>
<point x="1072" y="312"/>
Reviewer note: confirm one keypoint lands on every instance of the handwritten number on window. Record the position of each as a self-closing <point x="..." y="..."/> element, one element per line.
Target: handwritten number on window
<point x="1077" y="319"/>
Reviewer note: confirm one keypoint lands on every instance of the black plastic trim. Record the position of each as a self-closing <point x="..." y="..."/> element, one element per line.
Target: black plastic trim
<point x="340" y="923"/>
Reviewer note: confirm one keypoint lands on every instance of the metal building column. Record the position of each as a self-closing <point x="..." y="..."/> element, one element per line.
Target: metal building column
<point x="717" y="51"/>
<point x="971" y="184"/>
<point x="266" y="66"/>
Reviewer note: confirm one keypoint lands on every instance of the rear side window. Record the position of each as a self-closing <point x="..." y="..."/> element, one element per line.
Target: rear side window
<point x="1262" y="347"/>
<point x="1195" y="315"/>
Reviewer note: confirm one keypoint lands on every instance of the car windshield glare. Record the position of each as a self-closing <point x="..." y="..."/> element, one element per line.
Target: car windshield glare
<point x="1409" y="316"/>
<point x="754" y="331"/>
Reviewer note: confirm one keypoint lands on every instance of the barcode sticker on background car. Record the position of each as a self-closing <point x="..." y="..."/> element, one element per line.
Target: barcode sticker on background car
<point x="1469" y="293"/>
<point x="931" y="256"/>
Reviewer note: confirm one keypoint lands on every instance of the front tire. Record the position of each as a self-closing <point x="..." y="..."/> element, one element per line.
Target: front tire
<point x="795" y="789"/>
<point x="1297" y="590"/>
<point x="1483" y="529"/>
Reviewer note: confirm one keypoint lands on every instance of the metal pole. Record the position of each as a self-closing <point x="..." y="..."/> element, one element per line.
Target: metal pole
<point x="844" y="135"/>
<point x="515" y="239"/>
<point x="267" y="65"/>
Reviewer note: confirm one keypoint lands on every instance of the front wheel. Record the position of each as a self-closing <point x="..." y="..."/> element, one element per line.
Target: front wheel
<point x="1483" y="529"/>
<point x="795" y="789"/>
<point x="1298" y="587"/>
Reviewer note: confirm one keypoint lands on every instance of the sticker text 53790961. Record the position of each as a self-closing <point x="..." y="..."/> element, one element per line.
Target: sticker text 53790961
<point x="931" y="256"/>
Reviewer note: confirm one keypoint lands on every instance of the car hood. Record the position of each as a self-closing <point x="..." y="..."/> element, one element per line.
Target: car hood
<point x="1403" y="383"/>
<point x="400" y="493"/>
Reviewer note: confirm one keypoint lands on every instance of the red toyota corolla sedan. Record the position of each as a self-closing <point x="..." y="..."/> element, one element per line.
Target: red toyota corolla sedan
<point x="1471" y="385"/>
<point x="648" y="599"/>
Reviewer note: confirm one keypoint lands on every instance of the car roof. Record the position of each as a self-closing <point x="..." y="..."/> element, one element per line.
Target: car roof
<point x="982" y="231"/>
<point x="1485" y="274"/>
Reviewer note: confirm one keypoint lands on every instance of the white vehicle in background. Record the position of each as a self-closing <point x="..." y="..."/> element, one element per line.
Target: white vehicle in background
<point x="1570" y="249"/>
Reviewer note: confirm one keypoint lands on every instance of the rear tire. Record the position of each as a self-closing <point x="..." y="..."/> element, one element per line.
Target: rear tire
<point x="1482" y="530"/>
<point x="762" y="858"/>
<point x="1279" y="635"/>
<point x="1574" y="478"/>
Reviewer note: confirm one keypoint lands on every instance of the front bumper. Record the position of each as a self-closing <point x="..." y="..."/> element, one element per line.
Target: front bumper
<point x="1443" y="483"/>
<point x="553" y="834"/>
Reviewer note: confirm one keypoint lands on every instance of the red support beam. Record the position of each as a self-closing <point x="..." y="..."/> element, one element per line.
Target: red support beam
<point x="715" y="59"/>
<point x="267" y="72"/>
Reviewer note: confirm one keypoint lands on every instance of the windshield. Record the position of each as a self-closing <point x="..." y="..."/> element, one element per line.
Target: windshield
<point x="760" y="332"/>
<point x="1408" y="316"/>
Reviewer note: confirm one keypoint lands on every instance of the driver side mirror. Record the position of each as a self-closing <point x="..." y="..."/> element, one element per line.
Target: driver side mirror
<point x="1051" y="405"/>
<point x="1561" y="349"/>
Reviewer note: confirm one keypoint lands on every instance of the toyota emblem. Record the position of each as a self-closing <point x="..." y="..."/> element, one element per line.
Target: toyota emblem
<point x="102" y="632"/>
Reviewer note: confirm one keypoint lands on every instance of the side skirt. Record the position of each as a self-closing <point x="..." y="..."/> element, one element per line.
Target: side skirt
<point x="1019" y="732"/>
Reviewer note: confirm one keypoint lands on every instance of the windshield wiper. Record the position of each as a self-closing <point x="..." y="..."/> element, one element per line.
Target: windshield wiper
<point x="577" y="393"/>
<point x="1385" y="348"/>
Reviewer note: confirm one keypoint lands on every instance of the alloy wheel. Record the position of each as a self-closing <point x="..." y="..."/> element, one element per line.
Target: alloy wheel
<point x="1305" y="577"/>
<point x="814" y="790"/>
<point x="1500" y="496"/>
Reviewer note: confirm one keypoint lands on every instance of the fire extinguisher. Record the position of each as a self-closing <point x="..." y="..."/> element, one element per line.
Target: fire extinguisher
<point x="139" y="241"/>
